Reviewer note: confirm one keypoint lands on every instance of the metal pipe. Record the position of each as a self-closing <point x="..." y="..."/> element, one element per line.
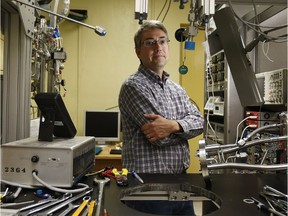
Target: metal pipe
<point x="249" y="144"/>
<point x="262" y="129"/>
<point x="214" y="147"/>
<point x="248" y="166"/>
<point x="99" y="30"/>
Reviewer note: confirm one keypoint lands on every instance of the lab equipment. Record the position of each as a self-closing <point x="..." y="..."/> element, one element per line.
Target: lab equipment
<point x="141" y="10"/>
<point x="217" y="156"/>
<point x="98" y="30"/>
<point x="61" y="163"/>
<point x="222" y="109"/>
<point x="210" y="104"/>
<point x="241" y="68"/>
<point x="55" y="119"/>
<point x="199" y="14"/>
<point x="273" y="84"/>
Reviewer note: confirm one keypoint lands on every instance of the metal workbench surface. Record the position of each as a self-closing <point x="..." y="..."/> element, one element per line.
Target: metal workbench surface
<point x="231" y="188"/>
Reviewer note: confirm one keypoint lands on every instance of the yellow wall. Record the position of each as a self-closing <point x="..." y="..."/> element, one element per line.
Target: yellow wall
<point x="193" y="82"/>
<point x="96" y="66"/>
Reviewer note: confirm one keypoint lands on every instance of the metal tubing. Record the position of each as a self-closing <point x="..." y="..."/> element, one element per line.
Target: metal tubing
<point x="99" y="30"/>
<point x="248" y="144"/>
<point x="262" y="129"/>
<point x="248" y="166"/>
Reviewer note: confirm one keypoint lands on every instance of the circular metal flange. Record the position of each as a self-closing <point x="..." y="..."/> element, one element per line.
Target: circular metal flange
<point x="203" y="162"/>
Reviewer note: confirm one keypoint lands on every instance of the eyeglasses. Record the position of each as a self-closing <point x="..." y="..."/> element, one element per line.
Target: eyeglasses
<point x="152" y="42"/>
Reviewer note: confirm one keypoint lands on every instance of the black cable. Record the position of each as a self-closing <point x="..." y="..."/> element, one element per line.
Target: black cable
<point x="162" y="9"/>
<point x="167" y="11"/>
<point x="256" y="16"/>
<point x="257" y="27"/>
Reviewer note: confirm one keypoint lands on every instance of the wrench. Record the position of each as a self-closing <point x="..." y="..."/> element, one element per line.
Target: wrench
<point x="36" y="204"/>
<point x="69" y="209"/>
<point x="41" y="208"/>
<point x="83" y="205"/>
<point x="91" y="208"/>
<point x="56" y="208"/>
<point x="101" y="183"/>
<point x="15" y="204"/>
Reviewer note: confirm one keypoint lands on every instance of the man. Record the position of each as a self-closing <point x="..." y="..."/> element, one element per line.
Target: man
<point x="157" y="115"/>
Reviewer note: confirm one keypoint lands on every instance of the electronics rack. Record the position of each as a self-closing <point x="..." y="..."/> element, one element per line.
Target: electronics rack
<point x="223" y="110"/>
<point x="273" y="86"/>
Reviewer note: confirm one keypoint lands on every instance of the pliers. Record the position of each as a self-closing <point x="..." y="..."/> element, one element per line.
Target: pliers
<point x="121" y="179"/>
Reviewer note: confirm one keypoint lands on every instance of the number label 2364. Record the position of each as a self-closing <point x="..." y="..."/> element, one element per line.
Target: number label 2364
<point x="14" y="170"/>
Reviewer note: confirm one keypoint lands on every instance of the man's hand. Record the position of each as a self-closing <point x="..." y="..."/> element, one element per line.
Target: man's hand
<point x="159" y="127"/>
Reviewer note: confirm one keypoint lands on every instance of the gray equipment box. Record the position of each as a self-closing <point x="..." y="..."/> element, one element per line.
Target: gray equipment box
<point x="60" y="163"/>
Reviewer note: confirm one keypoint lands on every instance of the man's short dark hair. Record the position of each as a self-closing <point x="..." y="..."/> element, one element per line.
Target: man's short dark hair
<point x="147" y="25"/>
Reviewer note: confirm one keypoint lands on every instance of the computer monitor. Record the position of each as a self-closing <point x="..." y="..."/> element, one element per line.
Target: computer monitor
<point x="54" y="118"/>
<point x="104" y="125"/>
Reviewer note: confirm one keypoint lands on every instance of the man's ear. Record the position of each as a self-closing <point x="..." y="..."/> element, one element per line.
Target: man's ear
<point x="137" y="51"/>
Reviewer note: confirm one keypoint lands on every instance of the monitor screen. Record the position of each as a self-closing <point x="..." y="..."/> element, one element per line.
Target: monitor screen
<point x="104" y="125"/>
<point x="54" y="118"/>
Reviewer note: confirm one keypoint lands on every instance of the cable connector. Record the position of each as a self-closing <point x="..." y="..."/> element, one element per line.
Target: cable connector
<point x="252" y="117"/>
<point x="241" y="142"/>
<point x="35" y="171"/>
<point x="253" y="126"/>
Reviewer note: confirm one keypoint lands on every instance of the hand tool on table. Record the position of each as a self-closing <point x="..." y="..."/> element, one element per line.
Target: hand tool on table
<point x="121" y="179"/>
<point x="10" y="196"/>
<point x="91" y="208"/>
<point x="268" y="188"/>
<point x="263" y="207"/>
<point x="101" y="183"/>
<point x="124" y="176"/>
<point x="71" y="207"/>
<point x="105" y="213"/>
<point x="48" y="205"/>
<point x="84" y="204"/>
<point x="137" y="177"/>
<point x="276" y="202"/>
<point x="15" y="204"/>
<point x="42" y="202"/>
<point x="56" y="208"/>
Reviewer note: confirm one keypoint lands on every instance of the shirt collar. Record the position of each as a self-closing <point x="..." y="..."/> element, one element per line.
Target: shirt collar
<point x="151" y="75"/>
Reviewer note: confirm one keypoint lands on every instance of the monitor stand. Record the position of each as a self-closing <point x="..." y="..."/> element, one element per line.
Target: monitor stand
<point x="101" y="144"/>
<point x="46" y="126"/>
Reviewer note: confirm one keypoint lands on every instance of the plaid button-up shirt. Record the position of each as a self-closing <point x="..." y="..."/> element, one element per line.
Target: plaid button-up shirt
<point x="145" y="93"/>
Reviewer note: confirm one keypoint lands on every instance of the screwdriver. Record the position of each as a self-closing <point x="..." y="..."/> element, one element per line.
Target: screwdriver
<point x="105" y="213"/>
